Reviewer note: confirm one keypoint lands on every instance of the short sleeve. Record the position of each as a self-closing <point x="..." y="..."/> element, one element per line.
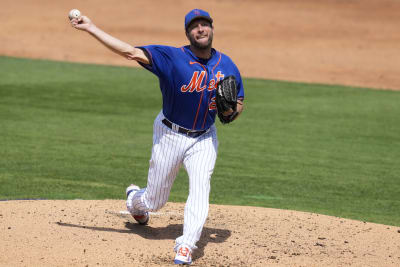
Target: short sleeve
<point x="159" y="57"/>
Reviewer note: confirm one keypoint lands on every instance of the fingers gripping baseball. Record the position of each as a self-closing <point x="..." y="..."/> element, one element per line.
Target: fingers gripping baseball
<point x="79" y="22"/>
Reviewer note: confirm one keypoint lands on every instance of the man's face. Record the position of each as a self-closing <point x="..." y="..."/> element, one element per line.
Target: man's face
<point x="200" y="34"/>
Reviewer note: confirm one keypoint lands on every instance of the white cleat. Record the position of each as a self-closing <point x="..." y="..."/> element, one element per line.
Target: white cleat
<point x="183" y="255"/>
<point x="131" y="190"/>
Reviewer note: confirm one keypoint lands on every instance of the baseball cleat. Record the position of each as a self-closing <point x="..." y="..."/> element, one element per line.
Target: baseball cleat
<point x="183" y="255"/>
<point x="142" y="219"/>
<point x="131" y="190"/>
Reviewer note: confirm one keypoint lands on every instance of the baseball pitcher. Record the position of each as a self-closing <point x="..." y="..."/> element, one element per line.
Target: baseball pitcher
<point x="197" y="83"/>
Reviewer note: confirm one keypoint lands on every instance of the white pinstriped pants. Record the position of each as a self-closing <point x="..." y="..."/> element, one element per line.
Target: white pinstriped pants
<point x="171" y="150"/>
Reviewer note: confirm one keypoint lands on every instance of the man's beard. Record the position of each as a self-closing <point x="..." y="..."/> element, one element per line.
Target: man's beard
<point x="201" y="46"/>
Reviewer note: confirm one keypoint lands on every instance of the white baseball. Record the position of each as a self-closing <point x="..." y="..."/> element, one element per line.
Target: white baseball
<point x="74" y="14"/>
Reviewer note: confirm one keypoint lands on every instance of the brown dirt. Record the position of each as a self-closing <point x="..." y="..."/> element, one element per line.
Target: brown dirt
<point x="87" y="233"/>
<point x="349" y="42"/>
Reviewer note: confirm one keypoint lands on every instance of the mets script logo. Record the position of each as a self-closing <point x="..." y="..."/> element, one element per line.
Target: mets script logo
<point x="196" y="82"/>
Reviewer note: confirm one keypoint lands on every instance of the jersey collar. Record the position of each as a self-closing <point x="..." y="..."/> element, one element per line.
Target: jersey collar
<point x="211" y="60"/>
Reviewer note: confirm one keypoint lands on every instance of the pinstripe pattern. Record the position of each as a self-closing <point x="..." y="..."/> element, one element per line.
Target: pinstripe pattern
<point x="170" y="151"/>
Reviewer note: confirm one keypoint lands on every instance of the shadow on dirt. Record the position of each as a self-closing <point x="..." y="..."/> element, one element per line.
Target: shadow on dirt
<point x="172" y="231"/>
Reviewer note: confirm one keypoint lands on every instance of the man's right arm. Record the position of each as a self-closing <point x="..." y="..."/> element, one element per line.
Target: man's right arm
<point x="121" y="48"/>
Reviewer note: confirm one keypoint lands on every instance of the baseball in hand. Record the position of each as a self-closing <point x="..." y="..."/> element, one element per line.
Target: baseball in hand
<point x="74" y="14"/>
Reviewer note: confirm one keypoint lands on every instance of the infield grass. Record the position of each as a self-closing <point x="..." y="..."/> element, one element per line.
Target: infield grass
<point x="85" y="131"/>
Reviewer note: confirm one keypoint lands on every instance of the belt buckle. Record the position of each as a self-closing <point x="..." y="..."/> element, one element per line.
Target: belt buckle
<point x="175" y="127"/>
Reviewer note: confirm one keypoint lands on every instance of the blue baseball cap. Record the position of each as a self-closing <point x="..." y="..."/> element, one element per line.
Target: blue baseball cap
<point x="196" y="14"/>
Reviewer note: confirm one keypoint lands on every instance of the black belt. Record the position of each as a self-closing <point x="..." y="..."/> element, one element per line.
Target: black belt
<point x="181" y="130"/>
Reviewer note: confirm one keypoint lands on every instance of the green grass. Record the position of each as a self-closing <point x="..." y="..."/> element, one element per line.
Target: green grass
<point x="85" y="131"/>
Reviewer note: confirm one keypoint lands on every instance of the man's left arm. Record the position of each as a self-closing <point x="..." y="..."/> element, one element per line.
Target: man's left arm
<point x="239" y="108"/>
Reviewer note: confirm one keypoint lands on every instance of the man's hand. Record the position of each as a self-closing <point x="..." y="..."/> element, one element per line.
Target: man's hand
<point x="239" y="109"/>
<point x="228" y="112"/>
<point x="83" y="23"/>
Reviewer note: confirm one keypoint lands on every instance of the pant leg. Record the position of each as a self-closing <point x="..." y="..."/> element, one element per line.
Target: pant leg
<point x="199" y="163"/>
<point x="166" y="159"/>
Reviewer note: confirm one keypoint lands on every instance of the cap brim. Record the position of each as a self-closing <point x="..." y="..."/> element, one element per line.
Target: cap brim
<point x="199" y="17"/>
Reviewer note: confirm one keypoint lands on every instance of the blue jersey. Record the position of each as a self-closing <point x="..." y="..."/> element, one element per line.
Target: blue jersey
<point x="188" y="83"/>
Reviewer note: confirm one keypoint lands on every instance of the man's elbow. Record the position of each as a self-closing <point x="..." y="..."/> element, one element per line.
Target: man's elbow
<point x="130" y="53"/>
<point x="136" y="54"/>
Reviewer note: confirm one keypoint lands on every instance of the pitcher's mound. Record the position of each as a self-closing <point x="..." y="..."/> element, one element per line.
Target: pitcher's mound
<point x="101" y="233"/>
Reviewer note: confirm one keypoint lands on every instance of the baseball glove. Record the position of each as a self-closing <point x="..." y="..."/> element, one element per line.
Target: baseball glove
<point x="226" y="99"/>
